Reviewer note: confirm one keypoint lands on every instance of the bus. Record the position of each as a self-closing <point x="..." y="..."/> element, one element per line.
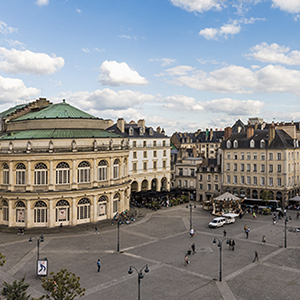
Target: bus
<point x="260" y="204"/>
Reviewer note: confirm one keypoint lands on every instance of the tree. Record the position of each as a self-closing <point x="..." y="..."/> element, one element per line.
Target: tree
<point x="62" y="286"/>
<point x="15" y="291"/>
<point x="2" y="259"/>
<point x="266" y="195"/>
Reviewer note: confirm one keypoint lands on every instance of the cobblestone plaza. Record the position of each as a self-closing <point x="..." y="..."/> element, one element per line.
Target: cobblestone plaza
<point x="161" y="239"/>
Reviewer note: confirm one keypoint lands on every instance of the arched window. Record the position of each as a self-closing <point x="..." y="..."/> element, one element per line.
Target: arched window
<point x="102" y="170"/>
<point x="40" y="212"/>
<point x="84" y="171"/>
<point x="20" y="212"/>
<point x="62" y="173"/>
<point x="252" y="144"/>
<point x="20" y="174"/>
<point x="5" y="211"/>
<point x="40" y="174"/>
<point x="83" y="209"/>
<point x="62" y="211"/>
<point x="102" y="206"/>
<point x="116" y="202"/>
<point x="228" y="144"/>
<point x="116" y="169"/>
<point x="235" y="144"/>
<point x="262" y="144"/>
<point x="130" y="131"/>
<point x="5" y="173"/>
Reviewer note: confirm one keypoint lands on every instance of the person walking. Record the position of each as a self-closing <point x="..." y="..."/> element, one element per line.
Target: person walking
<point x="224" y="232"/>
<point x="98" y="265"/>
<point x="263" y="241"/>
<point x="186" y="260"/>
<point x="232" y="245"/>
<point x="192" y="232"/>
<point x="256" y="256"/>
<point x="247" y="232"/>
<point x="193" y="248"/>
<point x="96" y="230"/>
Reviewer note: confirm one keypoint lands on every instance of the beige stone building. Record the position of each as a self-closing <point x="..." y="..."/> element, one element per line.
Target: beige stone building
<point x="263" y="158"/>
<point x="58" y="165"/>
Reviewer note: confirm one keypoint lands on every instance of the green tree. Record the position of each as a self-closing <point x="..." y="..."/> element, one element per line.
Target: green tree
<point x="15" y="291"/>
<point x="2" y="259"/>
<point x="266" y="195"/>
<point x="62" y="286"/>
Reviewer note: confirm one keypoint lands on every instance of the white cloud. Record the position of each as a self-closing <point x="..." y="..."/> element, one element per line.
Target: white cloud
<point x="124" y="36"/>
<point x="114" y="74"/>
<point x="231" y="28"/>
<point x="181" y="103"/>
<point x="179" y="70"/>
<point x="16" y="44"/>
<point x="237" y="79"/>
<point x="275" y="53"/>
<point x="164" y="61"/>
<point x="42" y="2"/>
<point x="79" y="10"/>
<point x="85" y="50"/>
<point x="107" y="99"/>
<point x="6" y="29"/>
<point x="291" y="6"/>
<point x="12" y="89"/>
<point x="234" y="107"/>
<point x="16" y="61"/>
<point x="199" y="5"/>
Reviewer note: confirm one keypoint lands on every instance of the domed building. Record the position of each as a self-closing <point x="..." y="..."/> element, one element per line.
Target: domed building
<point x="58" y="165"/>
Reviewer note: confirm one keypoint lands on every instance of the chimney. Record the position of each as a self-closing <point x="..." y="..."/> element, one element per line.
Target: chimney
<point x="227" y="133"/>
<point x="255" y="126"/>
<point x="211" y="133"/>
<point x="141" y="123"/>
<point x="121" y="124"/>
<point x="250" y="132"/>
<point x="159" y="130"/>
<point x="271" y="133"/>
<point x="163" y="132"/>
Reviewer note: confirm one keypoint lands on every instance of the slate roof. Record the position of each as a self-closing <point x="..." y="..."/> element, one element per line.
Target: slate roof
<point x="57" y="134"/>
<point x="61" y="110"/>
<point x="136" y="132"/>
<point x="202" y="136"/>
<point x="11" y="110"/>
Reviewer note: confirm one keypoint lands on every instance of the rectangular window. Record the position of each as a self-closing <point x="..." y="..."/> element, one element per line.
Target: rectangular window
<point x="235" y="156"/>
<point x="270" y="156"/>
<point x="278" y="156"/>
<point x="242" y="156"/>
<point x="242" y="179"/>
<point x="234" y="167"/>
<point x="242" y="167"/>
<point x="134" y="167"/>
<point x="62" y="176"/>
<point x="228" y="167"/>
<point x="248" y="167"/>
<point x="262" y="168"/>
<point x="145" y="166"/>
<point x="279" y="182"/>
<point x="208" y="177"/>
<point x="134" y="154"/>
<point x="200" y="177"/>
<point x="179" y="183"/>
<point x="164" y="164"/>
<point x="228" y="155"/>
<point x="20" y="177"/>
<point x="255" y="156"/>
<point x="254" y="180"/>
<point x="235" y="179"/>
<point x="145" y="154"/>
<point x="165" y="153"/>
<point x="134" y="144"/>
<point x="216" y="177"/>
<point x="154" y="165"/>
<point x="144" y="144"/>
<point x="254" y="167"/>
<point x="5" y="176"/>
<point x="278" y="168"/>
<point x="115" y="206"/>
<point x="248" y="180"/>
<point x="40" y="177"/>
<point x="209" y="187"/>
<point x="155" y="153"/>
<point x="248" y="156"/>
<point x="192" y="172"/>
<point x="262" y="156"/>
<point x="200" y="186"/>
<point x="164" y="143"/>
<point x="228" y="178"/>
<point x="154" y="143"/>
<point x="116" y="171"/>
<point x="271" y="168"/>
<point x="270" y="181"/>
<point x="262" y="180"/>
<point x="216" y="187"/>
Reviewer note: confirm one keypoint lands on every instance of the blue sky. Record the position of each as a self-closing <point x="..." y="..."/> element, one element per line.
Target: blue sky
<point x="178" y="64"/>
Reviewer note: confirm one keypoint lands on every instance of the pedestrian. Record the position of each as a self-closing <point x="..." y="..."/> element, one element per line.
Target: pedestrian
<point x="193" y="248"/>
<point x="247" y="232"/>
<point x="254" y="215"/>
<point x="274" y="221"/>
<point x="96" y="230"/>
<point x="186" y="260"/>
<point x="98" y="265"/>
<point x="245" y="228"/>
<point x="224" y="232"/>
<point x="263" y="241"/>
<point x="232" y="245"/>
<point x="192" y="232"/>
<point x="256" y="256"/>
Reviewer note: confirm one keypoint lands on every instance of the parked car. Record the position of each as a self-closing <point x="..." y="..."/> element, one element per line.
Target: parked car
<point x="217" y="222"/>
<point x="230" y="218"/>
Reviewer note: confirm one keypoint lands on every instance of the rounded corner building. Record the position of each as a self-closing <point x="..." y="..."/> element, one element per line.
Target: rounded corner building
<point x="60" y="166"/>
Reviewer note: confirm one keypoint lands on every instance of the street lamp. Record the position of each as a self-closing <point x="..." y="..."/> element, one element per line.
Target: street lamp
<point x="285" y="224"/>
<point x="140" y="276"/>
<point x="191" y="208"/>
<point x="118" y="245"/>
<point x="38" y="240"/>
<point x="220" y="246"/>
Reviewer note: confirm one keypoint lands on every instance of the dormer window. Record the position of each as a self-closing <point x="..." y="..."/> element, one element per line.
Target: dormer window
<point x="262" y="144"/>
<point x="296" y="144"/>
<point x="141" y="131"/>
<point x="228" y="144"/>
<point x="252" y="144"/>
<point x="235" y="144"/>
<point x="130" y="131"/>
<point x="151" y="131"/>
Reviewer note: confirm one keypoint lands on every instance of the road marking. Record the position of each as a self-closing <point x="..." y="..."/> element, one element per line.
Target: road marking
<point x="225" y="291"/>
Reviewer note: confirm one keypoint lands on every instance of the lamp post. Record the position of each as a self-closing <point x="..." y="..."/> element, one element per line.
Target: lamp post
<point x="285" y="235"/>
<point x="38" y="240"/>
<point x="191" y="208"/>
<point x="220" y="246"/>
<point x="118" y="245"/>
<point x="140" y="276"/>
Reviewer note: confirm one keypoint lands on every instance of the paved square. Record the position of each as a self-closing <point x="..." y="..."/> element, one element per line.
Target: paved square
<point x="161" y="239"/>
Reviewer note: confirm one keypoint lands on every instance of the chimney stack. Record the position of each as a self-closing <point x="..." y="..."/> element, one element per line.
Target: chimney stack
<point x="141" y="123"/>
<point x="227" y="133"/>
<point x="159" y="131"/>
<point x="121" y="124"/>
<point x="271" y="133"/>
<point x="250" y="132"/>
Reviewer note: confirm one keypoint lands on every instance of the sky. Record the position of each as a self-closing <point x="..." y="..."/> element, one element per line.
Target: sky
<point x="182" y="65"/>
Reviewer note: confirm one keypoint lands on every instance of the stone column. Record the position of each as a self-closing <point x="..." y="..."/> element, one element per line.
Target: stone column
<point x="29" y="172"/>
<point x="30" y="215"/>
<point x="73" y="211"/>
<point x="94" y="209"/>
<point x="11" y="177"/>
<point x="52" y="214"/>
<point x="95" y="179"/>
<point x="51" y="176"/>
<point x="11" y="213"/>
<point x="73" y="172"/>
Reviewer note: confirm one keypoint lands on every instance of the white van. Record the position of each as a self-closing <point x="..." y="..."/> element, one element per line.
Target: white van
<point x="230" y="218"/>
<point x="217" y="222"/>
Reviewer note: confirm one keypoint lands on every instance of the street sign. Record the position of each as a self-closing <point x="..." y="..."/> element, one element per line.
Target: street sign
<point x="42" y="267"/>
